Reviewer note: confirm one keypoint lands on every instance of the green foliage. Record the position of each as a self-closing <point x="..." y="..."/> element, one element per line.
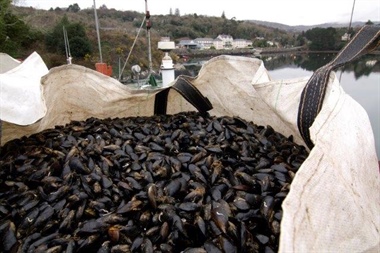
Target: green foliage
<point x="3" y="35"/>
<point x="260" y="43"/>
<point x="73" y="8"/>
<point x="15" y="35"/>
<point x="78" y="40"/>
<point x="79" y="46"/>
<point x="54" y="40"/>
<point x="300" y="40"/>
<point x="200" y="26"/>
<point x="323" y="38"/>
<point x="123" y="29"/>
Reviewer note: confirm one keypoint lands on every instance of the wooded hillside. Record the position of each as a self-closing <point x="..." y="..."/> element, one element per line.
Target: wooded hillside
<point x="40" y="30"/>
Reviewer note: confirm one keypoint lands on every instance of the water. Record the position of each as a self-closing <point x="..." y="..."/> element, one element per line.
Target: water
<point x="360" y="79"/>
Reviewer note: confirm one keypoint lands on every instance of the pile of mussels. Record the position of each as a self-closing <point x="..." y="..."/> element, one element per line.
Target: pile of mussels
<point x="179" y="183"/>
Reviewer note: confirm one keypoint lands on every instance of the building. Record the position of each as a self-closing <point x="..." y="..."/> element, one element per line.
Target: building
<point x="241" y="43"/>
<point x="227" y="40"/>
<point x="189" y="44"/>
<point x="346" y="37"/>
<point x="218" y="43"/>
<point x="205" y="43"/>
<point x="223" y="41"/>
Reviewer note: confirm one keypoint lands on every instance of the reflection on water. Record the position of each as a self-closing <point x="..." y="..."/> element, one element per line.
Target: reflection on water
<point x="362" y="67"/>
<point x="360" y="79"/>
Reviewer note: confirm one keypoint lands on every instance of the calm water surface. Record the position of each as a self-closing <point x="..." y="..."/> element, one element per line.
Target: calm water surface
<point x="360" y="79"/>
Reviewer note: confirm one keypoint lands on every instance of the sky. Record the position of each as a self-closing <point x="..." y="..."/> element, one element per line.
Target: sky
<point x="289" y="12"/>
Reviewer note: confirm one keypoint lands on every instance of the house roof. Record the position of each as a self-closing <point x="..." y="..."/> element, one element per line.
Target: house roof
<point x="188" y="42"/>
<point x="203" y="39"/>
<point x="225" y="36"/>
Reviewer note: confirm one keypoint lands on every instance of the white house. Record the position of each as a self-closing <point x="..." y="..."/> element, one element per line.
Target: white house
<point x="218" y="43"/>
<point x="346" y="37"/>
<point x="204" y="43"/>
<point x="223" y="41"/>
<point x="225" y="38"/>
<point x="241" y="43"/>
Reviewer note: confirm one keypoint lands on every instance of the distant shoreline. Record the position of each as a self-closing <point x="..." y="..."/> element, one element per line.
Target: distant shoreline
<point x="186" y="53"/>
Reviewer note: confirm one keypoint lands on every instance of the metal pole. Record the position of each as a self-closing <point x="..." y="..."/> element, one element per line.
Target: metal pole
<point x="349" y="27"/>
<point x="67" y="46"/>
<point x="148" y="26"/>
<point x="1" y="125"/>
<point x="97" y="32"/>
<point x="133" y="45"/>
<point x="65" y="40"/>
<point x="119" y="68"/>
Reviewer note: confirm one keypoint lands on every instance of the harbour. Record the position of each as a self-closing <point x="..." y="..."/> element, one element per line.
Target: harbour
<point x="253" y="140"/>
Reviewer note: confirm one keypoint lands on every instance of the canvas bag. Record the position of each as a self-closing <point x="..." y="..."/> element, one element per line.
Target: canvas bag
<point x="334" y="201"/>
<point x="21" y="100"/>
<point x="7" y="63"/>
<point x="333" y="204"/>
<point x="73" y="92"/>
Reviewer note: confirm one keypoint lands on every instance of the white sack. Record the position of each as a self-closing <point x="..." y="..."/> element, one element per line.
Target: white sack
<point x="334" y="201"/>
<point x="333" y="204"/>
<point x="21" y="100"/>
<point x="7" y="63"/>
<point x="73" y="92"/>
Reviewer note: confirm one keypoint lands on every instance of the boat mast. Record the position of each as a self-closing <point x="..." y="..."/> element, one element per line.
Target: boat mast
<point x="98" y="34"/>
<point x="349" y="35"/>
<point x="148" y="26"/>
<point x="349" y="27"/>
<point x="133" y="45"/>
<point x="67" y="46"/>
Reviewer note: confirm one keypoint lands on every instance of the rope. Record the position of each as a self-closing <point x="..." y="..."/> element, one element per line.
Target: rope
<point x="130" y="51"/>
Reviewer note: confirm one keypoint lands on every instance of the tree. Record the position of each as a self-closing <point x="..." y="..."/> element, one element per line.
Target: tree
<point x="322" y="38"/>
<point x="78" y="40"/>
<point x="223" y="15"/>
<point x="177" y="13"/>
<point x="369" y="22"/>
<point x="73" y="8"/>
<point x="260" y="43"/>
<point x="4" y="6"/>
<point x="15" y="35"/>
<point x="79" y="46"/>
<point x="300" y="40"/>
